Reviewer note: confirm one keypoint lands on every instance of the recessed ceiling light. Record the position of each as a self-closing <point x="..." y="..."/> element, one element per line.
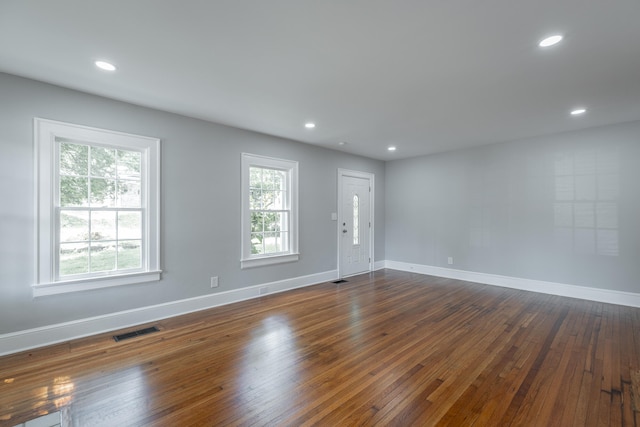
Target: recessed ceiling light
<point x="309" y="125"/>
<point x="107" y="66"/>
<point x="342" y="143"/>
<point x="578" y="111"/>
<point x="550" y="41"/>
<point x="391" y="148"/>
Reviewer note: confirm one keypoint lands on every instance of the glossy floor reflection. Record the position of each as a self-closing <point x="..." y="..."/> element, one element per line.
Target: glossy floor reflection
<point x="390" y="348"/>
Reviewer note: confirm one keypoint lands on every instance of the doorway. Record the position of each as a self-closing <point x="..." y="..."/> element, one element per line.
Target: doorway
<point x="355" y="222"/>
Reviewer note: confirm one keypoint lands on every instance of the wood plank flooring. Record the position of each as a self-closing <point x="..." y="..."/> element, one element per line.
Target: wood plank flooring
<point x="388" y="348"/>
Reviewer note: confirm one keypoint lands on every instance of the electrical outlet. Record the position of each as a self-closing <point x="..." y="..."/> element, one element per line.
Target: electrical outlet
<point x="264" y="290"/>
<point x="450" y="260"/>
<point x="214" y="282"/>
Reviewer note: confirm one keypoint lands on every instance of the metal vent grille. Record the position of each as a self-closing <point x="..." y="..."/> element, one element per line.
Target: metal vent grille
<point x="135" y="333"/>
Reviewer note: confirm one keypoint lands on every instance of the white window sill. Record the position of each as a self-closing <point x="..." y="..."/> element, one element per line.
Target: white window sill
<point x="63" y="287"/>
<point x="268" y="260"/>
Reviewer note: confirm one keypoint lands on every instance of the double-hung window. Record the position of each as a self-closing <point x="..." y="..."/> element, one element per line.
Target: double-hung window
<point x="98" y="208"/>
<point x="269" y="211"/>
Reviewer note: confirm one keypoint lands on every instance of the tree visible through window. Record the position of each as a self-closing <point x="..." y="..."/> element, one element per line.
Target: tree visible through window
<point x="98" y="198"/>
<point x="269" y="211"/>
<point x="100" y="216"/>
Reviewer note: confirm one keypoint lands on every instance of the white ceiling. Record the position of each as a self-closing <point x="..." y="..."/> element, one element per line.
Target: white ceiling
<point x="424" y="75"/>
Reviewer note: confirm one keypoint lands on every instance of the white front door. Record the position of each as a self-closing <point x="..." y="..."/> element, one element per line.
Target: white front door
<point x="354" y="225"/>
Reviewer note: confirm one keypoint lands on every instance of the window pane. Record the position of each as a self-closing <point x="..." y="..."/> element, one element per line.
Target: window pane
<point x="268" y="199"/>
<point x="270" y="243"/>
<point x="356" y="220"/>
<point x="103" y="192"/>
<point x="74" y="258"/>
<point x="74" y="159"/>
<point x="74" y="191"/>
<point x="96" y="191"/>
<point x="255" y="199"/>
<point x="129" y="254"/>
<point x="257" y="222"/>
<point x="103" y="225"/>
<point x="275" y="221"/>
<point x="279" y="180"/>
<point x="255" y="177"/>
<point x="268" y="179"/>
<point x="256" y="243"/>
<point x="103" y="162"/>
<point x="272" y="183"/>
<point x="103" y="256"/>
<point x="129" y="225"/>
<point x="267" y="202"/>
<point x="275" y="242"/>
<point x="271" y="221"/>
<point x="273" y="200"/>
<point x="129" y="194"/>
<point x="74" y="226"/>
<point x="128" y="164"/>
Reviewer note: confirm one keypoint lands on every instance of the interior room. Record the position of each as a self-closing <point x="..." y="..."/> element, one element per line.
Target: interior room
<point x="328" y="213"/>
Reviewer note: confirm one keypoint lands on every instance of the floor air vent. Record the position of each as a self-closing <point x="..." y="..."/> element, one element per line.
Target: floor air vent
<point x="135" y="333"/>
<point x="340" y="281"/>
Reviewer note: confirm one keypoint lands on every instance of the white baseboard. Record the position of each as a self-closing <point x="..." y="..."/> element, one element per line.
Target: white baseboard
<point x="560" y="289"/>
<point x="378" y="265"/>
<point x="39" y="337"/>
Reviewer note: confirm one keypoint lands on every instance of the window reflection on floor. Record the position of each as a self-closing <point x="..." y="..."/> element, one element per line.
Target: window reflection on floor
<point x="127" y="391"/>
<point x="49" y="420"/>
<point x="269" y="364"/>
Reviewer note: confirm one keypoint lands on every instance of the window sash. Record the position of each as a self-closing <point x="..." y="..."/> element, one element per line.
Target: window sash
<point x="283" y="250"/>
<point x="48" y="137"/>
<point x="117" y="241"/>
<point x="283" y="230"/>
<point x="89" y="173"/>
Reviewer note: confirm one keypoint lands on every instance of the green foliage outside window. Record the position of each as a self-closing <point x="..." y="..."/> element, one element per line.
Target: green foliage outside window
<point x="100" y="217"/>
<point x="269" y="216"/>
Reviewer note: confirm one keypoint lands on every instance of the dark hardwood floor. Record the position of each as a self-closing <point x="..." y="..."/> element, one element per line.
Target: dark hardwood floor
<point x="390" y="348"/>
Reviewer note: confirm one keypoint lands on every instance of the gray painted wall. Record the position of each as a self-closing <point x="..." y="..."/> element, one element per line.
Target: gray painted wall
<point x="563" y="208"/>
<point x="200" y="204"/>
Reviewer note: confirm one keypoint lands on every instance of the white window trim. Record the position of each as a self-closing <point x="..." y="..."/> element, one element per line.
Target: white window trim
<point x="45" y="134"/>
<point x="248" y="260"/>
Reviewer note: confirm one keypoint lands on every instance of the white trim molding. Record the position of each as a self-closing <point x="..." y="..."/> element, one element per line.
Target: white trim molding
<point x="53" y="334"/>
<point x="372" y="208"/>
<point x="561" y="289"/>
<point x="49" y="136"/>
<point x="290" y="252"/>
<point x="46" y="289"/>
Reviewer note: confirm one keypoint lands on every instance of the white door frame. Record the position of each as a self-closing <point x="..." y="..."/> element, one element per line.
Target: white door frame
<point x="356" y="174"/>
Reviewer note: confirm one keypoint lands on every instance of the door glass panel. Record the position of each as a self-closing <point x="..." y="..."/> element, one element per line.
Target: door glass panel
<point x="356" y="220"/>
